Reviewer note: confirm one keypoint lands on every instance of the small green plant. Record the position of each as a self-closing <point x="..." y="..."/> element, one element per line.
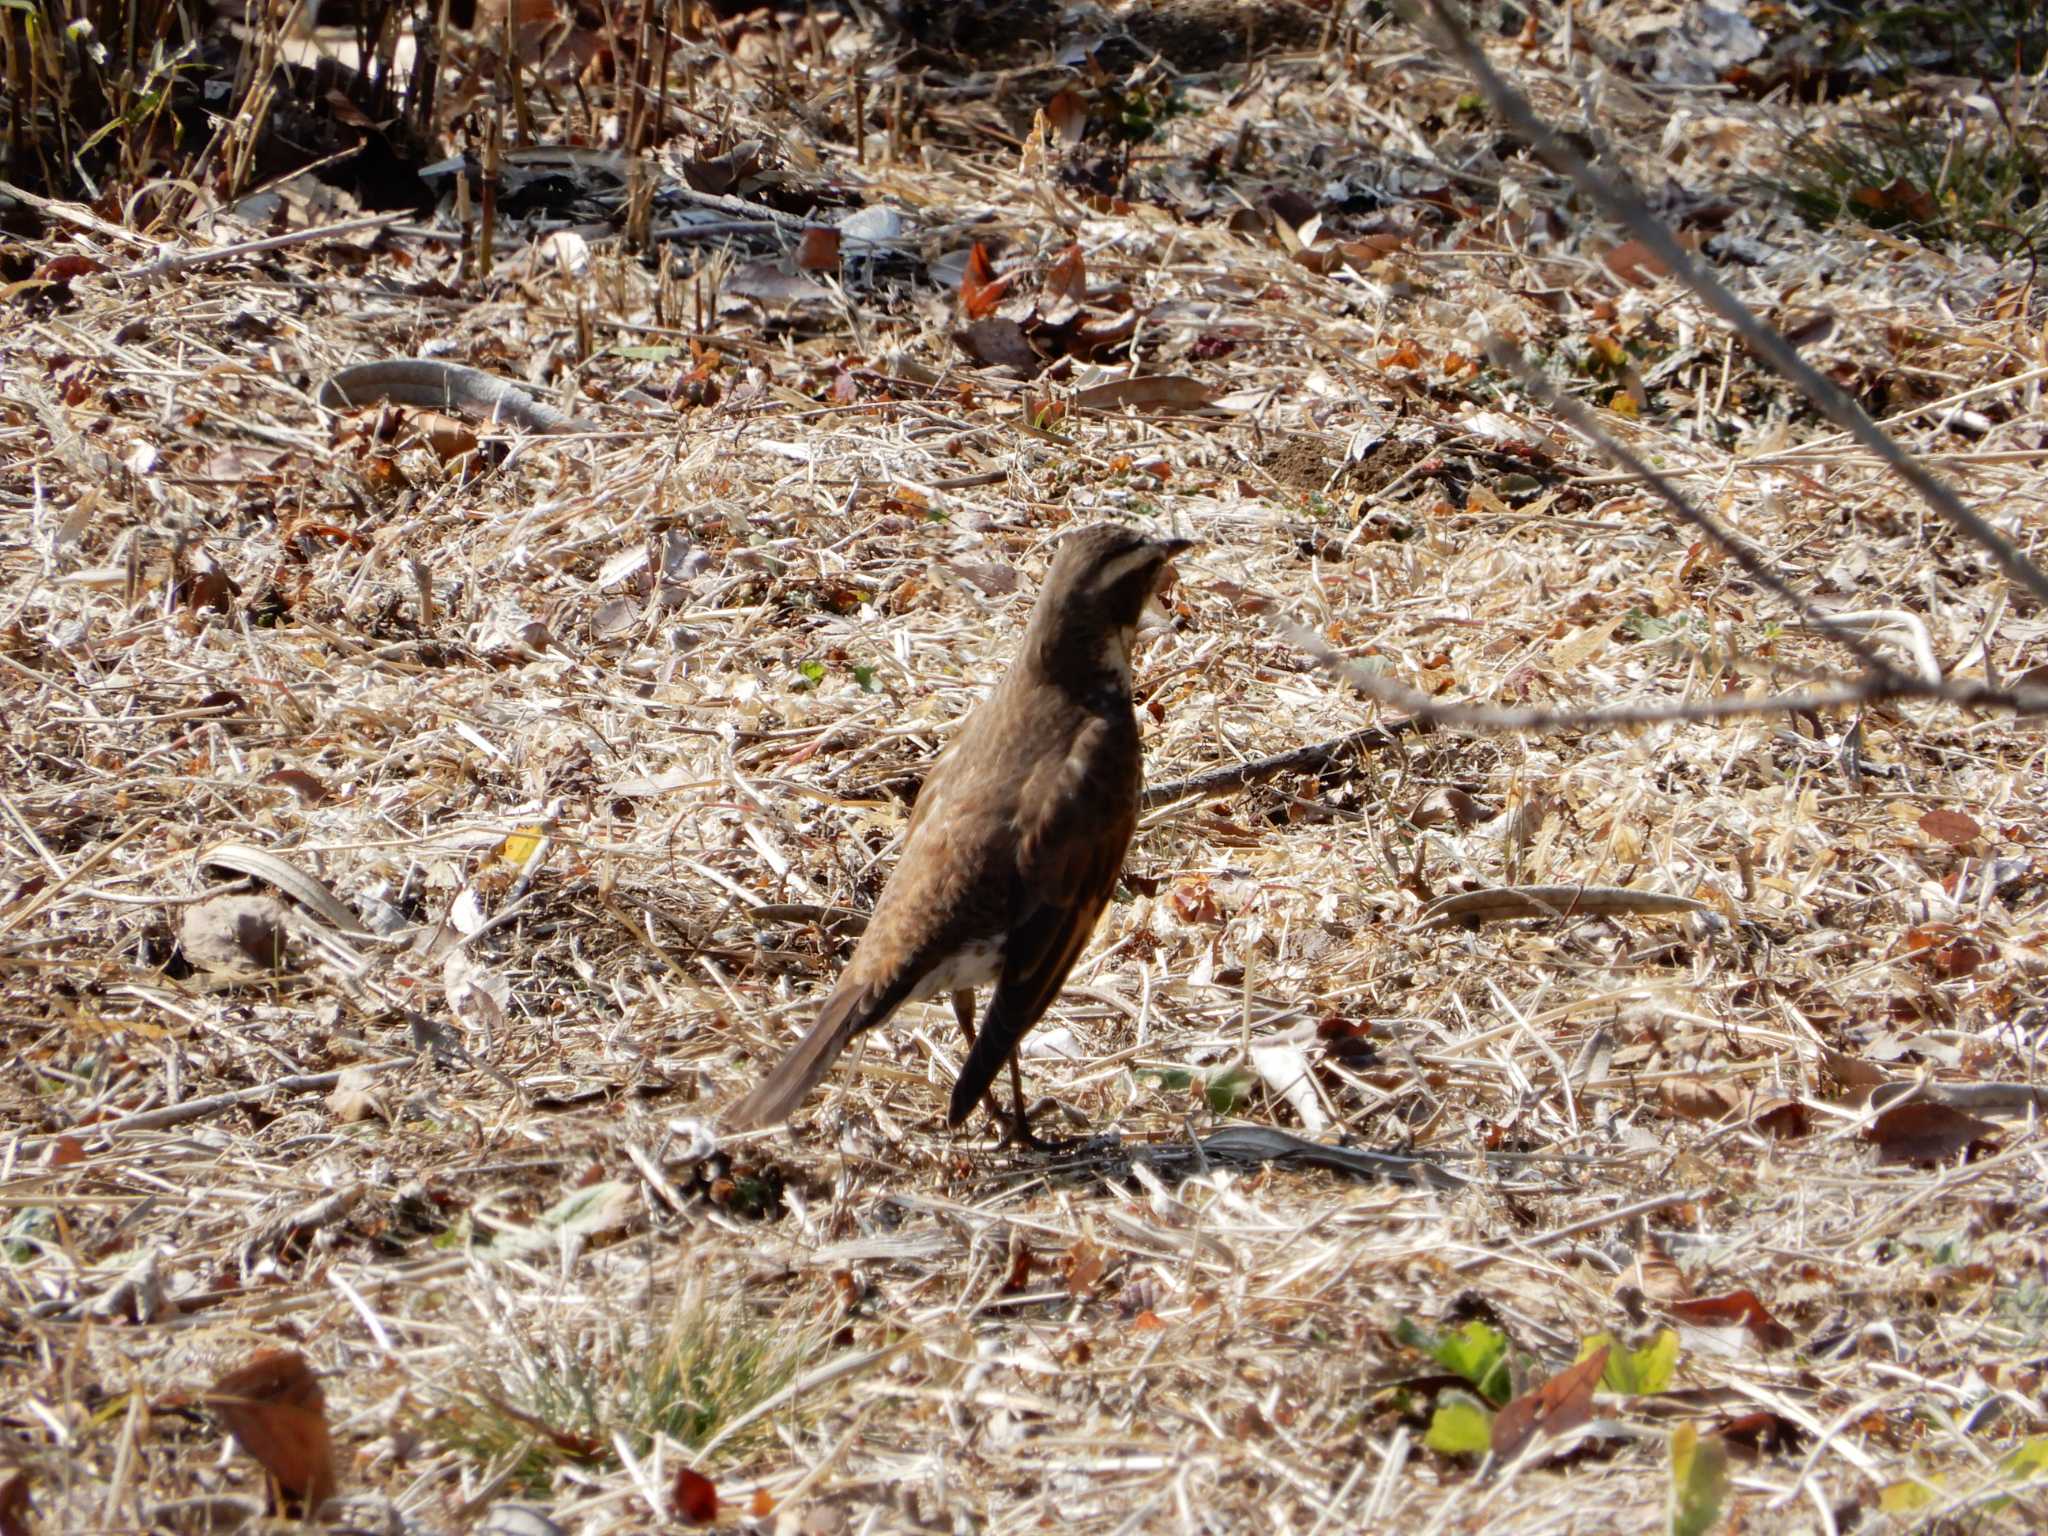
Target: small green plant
<point x="1927" y="175"/>
<point x="710" y="1365"/>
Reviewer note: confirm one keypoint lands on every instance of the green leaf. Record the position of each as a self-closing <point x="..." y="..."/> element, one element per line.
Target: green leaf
<point x="812" y="674"/>
<point x="1699" y="1481"/>
<point x="1633" y="1372"/>
<point x="864" y="674"/>
<point x="642" y="352"/>
<point x="1227" y="1089"/>
<point x="2024" y="1463"/>
<point x="1478" y="1352"/>
<point x="1461" y="1426"/>
<point x="1903" y="1498"/>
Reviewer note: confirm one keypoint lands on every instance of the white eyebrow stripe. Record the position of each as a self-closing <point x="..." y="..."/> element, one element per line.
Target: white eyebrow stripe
<point x="1120" y="567"/>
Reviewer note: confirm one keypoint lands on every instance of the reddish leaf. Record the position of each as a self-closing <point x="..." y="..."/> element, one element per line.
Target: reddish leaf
<point x="1083" y="1264"/>
<point x="1067" y="115"/>
<point x="307" y="786"/>
<point x="980" y="289"/>
<point x="1926" y="1133"/>
<point x="1736" y="1307"/>
<point x="1068" y="277"/>
<point x="274" y="1408"/>
<point x="1760" y="1433"/>
<point x="1635" y="264"/>
<point x="695" y="1498"/>
<point x="14" y="1507"/>
<point x="1951" y="827"/>
<point x="61" y="269"/>
<point x="818" y="251"/>
<point x="1557" y="1407"/>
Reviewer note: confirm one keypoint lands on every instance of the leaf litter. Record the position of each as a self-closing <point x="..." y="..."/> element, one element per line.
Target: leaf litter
<point x="378" y="662"/>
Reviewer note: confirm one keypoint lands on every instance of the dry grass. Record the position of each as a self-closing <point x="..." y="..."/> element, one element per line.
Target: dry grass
<point x="607" y="696"/>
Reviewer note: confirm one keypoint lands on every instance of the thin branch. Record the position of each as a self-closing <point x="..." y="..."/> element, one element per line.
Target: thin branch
<point x="1627" y="207"/>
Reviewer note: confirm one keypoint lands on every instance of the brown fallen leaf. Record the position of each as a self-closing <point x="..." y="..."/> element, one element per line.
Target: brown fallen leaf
<point x="1067" y="115"/>
<point x="1927" y="1134"/>
<point x="1148" y="392"/>
<point x="1744" y="1308"/>
<point x="1657" y="1274"/>
<point x="1951" y="827"/>
<point x="694" y="1499"/>
<point x="1557" y="1407"/>
<point x="14" y="1506"/>
<point x="1083" y="1264"/>
<point x="1635" y="264"/>
<point x="980" y="289"/>
<point x="273" y="1406"/>
<point x="818" y="250"/>
<point x="998" y="343"/>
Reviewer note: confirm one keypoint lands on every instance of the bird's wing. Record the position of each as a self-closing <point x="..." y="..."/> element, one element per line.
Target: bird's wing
<point x="1067" y="864"/>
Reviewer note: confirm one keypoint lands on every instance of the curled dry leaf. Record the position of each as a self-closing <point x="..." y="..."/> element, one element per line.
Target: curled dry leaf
<point x="980" y="289"/>
<point x="273" y="1406"/>
<point x="1657" y="1274"/>
<point x="1735" y="1308"/>
<point x="1557" y="1407"/>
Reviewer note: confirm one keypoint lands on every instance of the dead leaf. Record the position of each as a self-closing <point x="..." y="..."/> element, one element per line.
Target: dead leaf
<point x="1636" y="264"/>
<point x="1148" y="392"/>
<point x="998" y="343"/>
<point x="1927" y="1134"/>
<point x="1067" y="115"/>
<point x="1951" y="827"/>
<point x="1743" y="1308"/>
<point x="694" y="1500"/>
<point x="818" y="251"/>
<point x="1557" y="1407"/>
<point x="1657" y="1274"/>
<point x="274" y="1408"/>
<point x="980" y="289"/>
<point x="14" y="1506"/>
<point x="242" y="935"/>
<point x="1082" y="1265"/>
<point x="1067" y="278"/>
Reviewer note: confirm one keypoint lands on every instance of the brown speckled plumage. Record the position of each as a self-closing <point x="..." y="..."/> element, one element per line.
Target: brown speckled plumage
<point x="1016" y="838"/>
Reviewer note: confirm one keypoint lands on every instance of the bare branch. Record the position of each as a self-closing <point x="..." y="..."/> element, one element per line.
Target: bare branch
<point x="1627" y="207"/>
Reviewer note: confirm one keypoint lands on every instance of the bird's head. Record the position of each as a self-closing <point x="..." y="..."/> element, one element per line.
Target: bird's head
<point x="1101" y="579"/>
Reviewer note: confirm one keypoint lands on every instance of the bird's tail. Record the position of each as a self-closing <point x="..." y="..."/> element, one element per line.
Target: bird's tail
<point x="777" y="1095"/>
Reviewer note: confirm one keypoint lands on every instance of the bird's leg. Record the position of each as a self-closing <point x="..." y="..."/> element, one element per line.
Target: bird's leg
<point x="963" y="1010"/>
<point x="1019" y="1134"/>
